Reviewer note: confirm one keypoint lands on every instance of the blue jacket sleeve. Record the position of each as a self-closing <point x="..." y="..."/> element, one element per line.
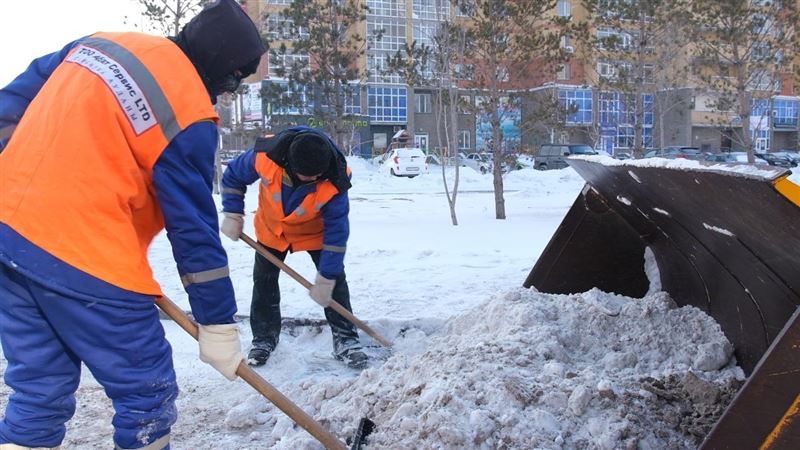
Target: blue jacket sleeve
<point x="240" y="173"/>
<point x="15" y="98"/>
<point x="334" y="237"/>
<point x="182" y="178"/>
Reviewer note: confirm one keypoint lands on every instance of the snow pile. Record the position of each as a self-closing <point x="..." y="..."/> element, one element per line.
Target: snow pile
<point x="530" y="370"/>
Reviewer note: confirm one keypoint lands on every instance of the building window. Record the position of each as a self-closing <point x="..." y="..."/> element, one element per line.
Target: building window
<point x="501" y="74"/>
<point x="279" y="2"/>
<point x="464" y="140"/>
<point x="647" y="102"/>
<point x="613" y="70"/>
<point x="286" y="63"/>
<point x="786" y="112"/>
<point x="351" y="93"/>
<point x="282" y="28"/>
<point x="609" y="108"/>
<point x="431" y="9"/>
<point x="625" y="137"/>
<point x="387" y="8"/>
<point x="387" y="104"/>
<point x="618" y="109"/>
<point x="425" y="32"/>
<point x="465" y="8"/>
<point x="564" y="72"/>
<point x="578" y="103"/>
<point x="647" y="137"/>
<point x="465" y="71"/>
<point x="378" y="67"/>
<point x="564" y="8"/>
<point x="422" y="103"/>
<point x="297" y="100"/>
<point x="392" y="34"/>
<point x="464" y="104"/>
<point x="352" y="100"/>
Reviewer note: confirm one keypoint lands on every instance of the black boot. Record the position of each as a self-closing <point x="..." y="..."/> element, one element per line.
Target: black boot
<point x="354" y="358"/>
<point x="258" y="356"/>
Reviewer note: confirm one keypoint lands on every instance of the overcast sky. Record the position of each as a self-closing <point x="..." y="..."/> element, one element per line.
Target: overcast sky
<point x="29" y="29"/>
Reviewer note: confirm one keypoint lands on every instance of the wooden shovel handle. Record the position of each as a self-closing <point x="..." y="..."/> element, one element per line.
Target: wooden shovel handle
<point x="260" y="384"/>
<point x="306" y="284"/>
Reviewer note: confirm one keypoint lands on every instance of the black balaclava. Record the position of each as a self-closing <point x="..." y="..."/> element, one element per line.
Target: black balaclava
<point x="220" y="40"/>
<point x="309" y="155"/>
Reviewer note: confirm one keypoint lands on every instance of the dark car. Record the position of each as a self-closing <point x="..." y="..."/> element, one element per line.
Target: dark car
<point x="733" y="158"/>
<point x="777" y="160"/>
<point x="792" y="155"/>
<point x="622" y="155"/>
<point x="676" y="152"/>
<point x="551" y="156"/>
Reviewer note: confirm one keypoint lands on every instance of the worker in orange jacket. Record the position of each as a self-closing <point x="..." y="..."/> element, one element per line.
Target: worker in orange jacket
<point x="106" y="143"/>
<point x="302" y="206"/>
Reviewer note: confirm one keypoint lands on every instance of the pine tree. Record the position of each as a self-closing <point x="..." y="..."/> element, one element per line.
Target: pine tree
<point x="320" y="51"/>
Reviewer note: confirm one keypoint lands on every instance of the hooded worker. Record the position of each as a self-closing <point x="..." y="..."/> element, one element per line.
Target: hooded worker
<point x="107" y="142"/>
<point x="302" y="206"/>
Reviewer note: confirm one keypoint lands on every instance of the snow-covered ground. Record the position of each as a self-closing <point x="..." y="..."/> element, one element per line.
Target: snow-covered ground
<point x="478" y="361"/>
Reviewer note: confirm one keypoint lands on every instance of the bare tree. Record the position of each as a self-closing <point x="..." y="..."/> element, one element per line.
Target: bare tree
<point x="167" y="17"/>
<point x="508" y="42"/>
<point x="739" y="55"/>
<point x="436" y="67"/>
<point x="635" y="49"/>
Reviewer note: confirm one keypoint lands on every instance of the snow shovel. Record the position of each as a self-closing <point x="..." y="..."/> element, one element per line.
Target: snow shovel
<point x="258" y="383"/>
<point x="299" y="278"/>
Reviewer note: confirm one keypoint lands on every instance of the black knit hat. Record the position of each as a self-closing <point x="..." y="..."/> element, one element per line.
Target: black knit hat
<point x="309" y="154"/>
<point x="221" y="39"/>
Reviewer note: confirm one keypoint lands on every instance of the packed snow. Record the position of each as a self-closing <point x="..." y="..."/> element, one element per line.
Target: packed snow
<point x="478" y="362"/>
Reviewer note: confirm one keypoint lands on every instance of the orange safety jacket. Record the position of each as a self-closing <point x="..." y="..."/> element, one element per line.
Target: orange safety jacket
<point x="303" y="228"/>
<point x="83" y="154"/>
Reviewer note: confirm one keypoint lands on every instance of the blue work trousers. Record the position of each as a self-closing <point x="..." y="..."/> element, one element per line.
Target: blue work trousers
<point x="46" y="335"/>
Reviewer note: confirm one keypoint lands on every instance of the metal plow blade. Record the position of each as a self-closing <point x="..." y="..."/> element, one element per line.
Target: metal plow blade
<point x="725" y="242"/>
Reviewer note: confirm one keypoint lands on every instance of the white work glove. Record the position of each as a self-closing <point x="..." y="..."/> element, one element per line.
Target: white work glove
<point x="232" y="225"/>
<point x="322" y="290"/>
<point x="220" y="347"/>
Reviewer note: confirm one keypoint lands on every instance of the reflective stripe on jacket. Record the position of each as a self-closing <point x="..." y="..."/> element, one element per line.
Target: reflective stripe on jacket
<point x="302" y="228"/>
<point x="77" y="174"/>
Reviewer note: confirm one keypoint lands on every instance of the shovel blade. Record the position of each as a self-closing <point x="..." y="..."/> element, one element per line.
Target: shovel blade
<point x="365" y="428"/>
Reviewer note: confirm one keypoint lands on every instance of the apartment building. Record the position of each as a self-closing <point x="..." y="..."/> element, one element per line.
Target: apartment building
<point x="674" y="114"/>
<point x="676" y="110"/>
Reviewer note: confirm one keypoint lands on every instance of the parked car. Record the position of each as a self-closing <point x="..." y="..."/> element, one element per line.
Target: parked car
<point x="622" y="155"/>
<point x="793" y="156"/>
<point x="733" y="158"/>
<point x="483" y="162"/>
<point x="552" y="156"/>
<point x="473" y="161"/>
<point x="676" y="152"/>
<point x="776" y="160"/>
<point x="405" y="162"/>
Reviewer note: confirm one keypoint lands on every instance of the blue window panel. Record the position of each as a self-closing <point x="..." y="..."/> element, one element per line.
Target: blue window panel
<point x="625" y="137"/>
<point x="387" y="104"/>
<point x="786" y="112"/>
<point x="647" y="100"/>
<point x="581" y="99"/>
<point x="759" y="107"/>
<point x="647" y="137"/>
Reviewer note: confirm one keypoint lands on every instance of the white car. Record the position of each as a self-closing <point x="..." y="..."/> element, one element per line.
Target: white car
<point x="405" y="162"/>
<point x="474" y="161"/>
<point x="483" y="162"/>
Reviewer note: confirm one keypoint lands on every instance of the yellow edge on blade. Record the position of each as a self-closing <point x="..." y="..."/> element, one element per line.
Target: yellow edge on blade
<point x="788" y="189"/>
